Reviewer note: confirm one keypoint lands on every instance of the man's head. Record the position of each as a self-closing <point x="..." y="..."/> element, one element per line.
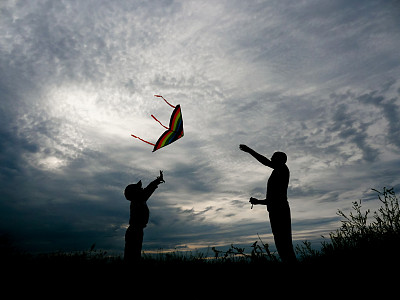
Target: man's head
<point x="279" y="157"/>
<point x="132" y="190"/>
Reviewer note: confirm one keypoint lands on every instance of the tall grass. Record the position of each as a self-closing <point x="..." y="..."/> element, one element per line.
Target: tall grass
<point x="360" y="238"/>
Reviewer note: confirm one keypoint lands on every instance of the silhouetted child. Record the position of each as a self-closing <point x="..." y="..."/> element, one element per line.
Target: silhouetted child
<point x="276" y="202"/>
<point x="139" y="216"/>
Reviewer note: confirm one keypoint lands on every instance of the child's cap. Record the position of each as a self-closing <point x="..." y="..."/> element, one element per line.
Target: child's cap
<point x="132" y="189"/>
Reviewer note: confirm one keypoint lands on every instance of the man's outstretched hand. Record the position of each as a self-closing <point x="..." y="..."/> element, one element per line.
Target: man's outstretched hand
<point x="253" y="200"/>
<point x="244" y="148"/>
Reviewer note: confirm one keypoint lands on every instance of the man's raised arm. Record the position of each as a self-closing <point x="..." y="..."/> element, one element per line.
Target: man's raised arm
<point x="261" y="158"/>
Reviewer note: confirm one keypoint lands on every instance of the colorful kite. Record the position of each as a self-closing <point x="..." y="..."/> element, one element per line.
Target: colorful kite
<point x="173" y="132"/>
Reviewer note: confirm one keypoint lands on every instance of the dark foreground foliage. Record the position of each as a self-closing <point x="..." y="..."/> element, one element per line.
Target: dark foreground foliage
<point x="361" y="240"/>
<point x="360" y="247"/>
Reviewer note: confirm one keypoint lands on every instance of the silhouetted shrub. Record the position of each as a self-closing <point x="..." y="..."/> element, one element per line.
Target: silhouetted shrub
<point x="360" y="239"/>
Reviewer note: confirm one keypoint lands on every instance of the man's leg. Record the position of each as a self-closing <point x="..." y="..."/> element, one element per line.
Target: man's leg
<point x="282" y="231"/>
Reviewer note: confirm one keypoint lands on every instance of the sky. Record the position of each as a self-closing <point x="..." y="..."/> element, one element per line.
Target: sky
<point x="318" y="80"/>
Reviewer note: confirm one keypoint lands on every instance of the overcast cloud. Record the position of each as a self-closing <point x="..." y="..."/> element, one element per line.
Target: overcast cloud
<point x="318" y="80"/>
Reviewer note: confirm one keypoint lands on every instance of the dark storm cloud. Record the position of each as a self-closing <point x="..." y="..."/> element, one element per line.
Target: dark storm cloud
<point x="346" y="128"/>
<point x="321" y="41"/>
<point x="391" y="112"/>
<point x="69" y="210"/>
<point x="341" y="125"/>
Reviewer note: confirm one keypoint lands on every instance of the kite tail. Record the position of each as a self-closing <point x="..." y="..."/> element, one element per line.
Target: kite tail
<point x="136" y="137"/>
<point x="159" y="122"/>
<point x="165" y="100"/>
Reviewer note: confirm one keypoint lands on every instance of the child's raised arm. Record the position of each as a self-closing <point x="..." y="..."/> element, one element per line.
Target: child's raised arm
<point x="149" y="190"/>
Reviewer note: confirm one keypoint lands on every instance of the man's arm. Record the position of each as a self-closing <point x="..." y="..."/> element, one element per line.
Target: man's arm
<point x="261" y="158"/>
<point x="256" y="201"/>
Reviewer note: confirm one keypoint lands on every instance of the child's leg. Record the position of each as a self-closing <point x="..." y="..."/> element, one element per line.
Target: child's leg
<point x="133" y="244"/>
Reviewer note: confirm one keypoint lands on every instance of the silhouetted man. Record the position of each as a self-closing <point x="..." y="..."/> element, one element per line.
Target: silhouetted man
<point x="139" y="216"/>
<point x="276" y="202"/>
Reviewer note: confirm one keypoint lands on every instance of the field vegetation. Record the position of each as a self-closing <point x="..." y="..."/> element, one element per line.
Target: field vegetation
<point x="362" y="241"/>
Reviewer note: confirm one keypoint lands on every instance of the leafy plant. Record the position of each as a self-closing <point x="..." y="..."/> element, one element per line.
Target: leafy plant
<point x="360" y="238"/>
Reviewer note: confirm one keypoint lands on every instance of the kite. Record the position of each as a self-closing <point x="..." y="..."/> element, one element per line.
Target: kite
<point x="173" y="132"/>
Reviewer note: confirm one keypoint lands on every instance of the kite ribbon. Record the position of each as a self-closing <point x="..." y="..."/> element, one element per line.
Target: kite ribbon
<point x="159" y="122"/>
<point x="136" y="137"/>
<point x="165" y="100"/>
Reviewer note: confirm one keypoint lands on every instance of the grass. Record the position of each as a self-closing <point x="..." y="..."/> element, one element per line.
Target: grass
<point x="360" y="242"/>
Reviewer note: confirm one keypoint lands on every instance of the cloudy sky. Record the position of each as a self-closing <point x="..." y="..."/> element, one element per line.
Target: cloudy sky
<point x="319" y="80"/>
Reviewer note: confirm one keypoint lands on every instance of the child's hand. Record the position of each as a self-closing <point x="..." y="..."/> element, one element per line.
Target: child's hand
<point x="161" y="177"/>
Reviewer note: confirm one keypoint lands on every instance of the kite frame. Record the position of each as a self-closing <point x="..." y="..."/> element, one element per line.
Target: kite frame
<point x="166" y="138"/>
<point x="177" y="129"/>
